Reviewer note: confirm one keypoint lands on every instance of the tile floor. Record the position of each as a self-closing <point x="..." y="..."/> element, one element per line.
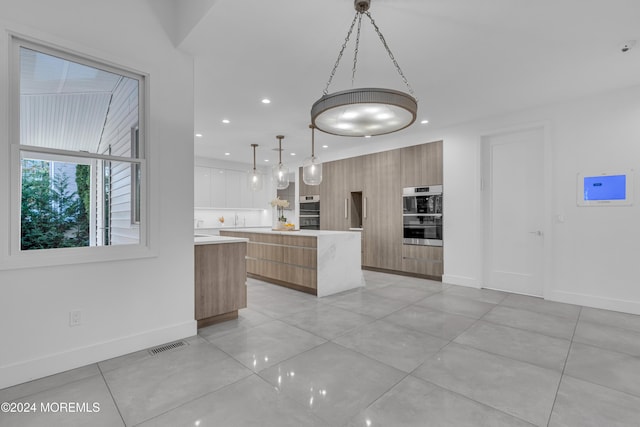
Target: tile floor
<point x="400" y="352"/>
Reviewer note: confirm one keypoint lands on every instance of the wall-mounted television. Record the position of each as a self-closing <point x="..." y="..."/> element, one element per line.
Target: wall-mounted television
<point x="605" y="189"/>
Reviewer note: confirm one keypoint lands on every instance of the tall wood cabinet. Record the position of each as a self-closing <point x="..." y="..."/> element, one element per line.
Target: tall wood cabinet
<point x="421" y="165"/>
<point x="382" y="211"/>
<point x="366" y="191"/>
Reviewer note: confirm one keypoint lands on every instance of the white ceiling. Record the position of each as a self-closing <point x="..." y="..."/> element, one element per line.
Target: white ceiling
<point x="465" y="59"/>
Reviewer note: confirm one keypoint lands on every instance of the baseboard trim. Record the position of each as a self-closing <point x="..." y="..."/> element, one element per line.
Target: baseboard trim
<point x="461" y="281"/>
<point x="624" y="306"/>
<point x="29" y="370"/>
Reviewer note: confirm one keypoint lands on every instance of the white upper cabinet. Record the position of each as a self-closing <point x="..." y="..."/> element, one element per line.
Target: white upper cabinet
<point x="202" y="187"/>
<point x="225" y="188"/>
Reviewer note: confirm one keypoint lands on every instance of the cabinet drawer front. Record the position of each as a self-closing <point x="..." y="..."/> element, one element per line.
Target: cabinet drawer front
<point x="305" y="241"/>
<point x="433" y="253"/>
<point x="283" y="272"/>
<point x="304" y="257"/>
<point x="266" y="251"/>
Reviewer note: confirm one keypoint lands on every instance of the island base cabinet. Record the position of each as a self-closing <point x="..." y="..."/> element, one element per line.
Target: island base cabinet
<point x="423" y="260"/>
<point x="220" y="282"/>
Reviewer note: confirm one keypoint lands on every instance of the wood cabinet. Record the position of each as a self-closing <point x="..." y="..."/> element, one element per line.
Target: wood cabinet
<point x="421" y="165"/>
<point x="220" y="281"/>
<point x="422" y="260"/>
<point x="367" y="191"/>
<point x="289" y="261"/>
<point x="382" y="211"/>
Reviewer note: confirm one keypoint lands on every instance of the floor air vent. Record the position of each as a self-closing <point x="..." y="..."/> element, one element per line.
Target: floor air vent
<point x="166" y="347"/>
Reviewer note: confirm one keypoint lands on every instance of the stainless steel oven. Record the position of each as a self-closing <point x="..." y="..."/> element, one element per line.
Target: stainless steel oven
<point x="422" y="215"/>
<point x="310" y="212"/>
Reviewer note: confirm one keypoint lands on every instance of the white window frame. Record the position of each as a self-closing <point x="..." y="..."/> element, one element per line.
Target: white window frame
<point x="17" y="258"/>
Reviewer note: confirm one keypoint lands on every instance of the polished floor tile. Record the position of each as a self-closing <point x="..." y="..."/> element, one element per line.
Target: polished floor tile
<point x="380" y="355"/>
<point x="580" y="403"/>
<point x="611" y="369"/>
<point x="543" y="306"/>
<point x="414" y="402"/>
<point x="247" y="318"/>
<point x="400" y="347"/>
<point x="403" y="293"/>
<point x="92" y="402"/>
<point x="457" y="305"/>
<point x="333" y="382"/>
<point x="265" y="345"/>
<point x="47" y="383"/>
<point x="327" y="321"/>
<point x="553" y="326"/>
<point x="517" y="388"/>
<point x="433" y="322"/>
<point x="155" y="385"/>
<point x="484" y="295"/>
<point x="611" y="318"/>
<point x="368" y="304"/>
<point x="248" y="402"/>
<point x="518" y="344"/>
<point x="608" y="337"/>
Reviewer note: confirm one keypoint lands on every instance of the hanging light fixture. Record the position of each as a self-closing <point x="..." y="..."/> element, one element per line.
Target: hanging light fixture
<point x="281" y="172"/>
<point x="254" y="177"/>
<point x="312" y="167"/>
<point x="364" y="111"/>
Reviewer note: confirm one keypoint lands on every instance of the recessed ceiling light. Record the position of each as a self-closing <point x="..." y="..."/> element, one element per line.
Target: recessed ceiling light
<point x="424" y="122"/>
<point x="325" y="146"/>
<point x="225" y="121"/>
<point x="227" y="154"/>
<point x="293" y="154"/>
<point x="198" y="135"/>
<point x="266" y="101"/>
<point x="266" y="160"/>
<point x="367" y="136"/>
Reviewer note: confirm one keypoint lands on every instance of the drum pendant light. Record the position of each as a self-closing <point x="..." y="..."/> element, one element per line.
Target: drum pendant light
<point x="281" y="172"/>
<point x="364" y="111"/>
<point x="254" y="177"/>
<point x="312" y="167"/>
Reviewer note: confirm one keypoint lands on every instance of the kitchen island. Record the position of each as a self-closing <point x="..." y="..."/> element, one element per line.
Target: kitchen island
<point x="319" y="262"/>
<point x="220" y="278"/>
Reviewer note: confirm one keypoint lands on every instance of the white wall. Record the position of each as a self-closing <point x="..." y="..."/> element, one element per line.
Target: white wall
<point x="126" y="305"/>
<point x="593" y="256"/>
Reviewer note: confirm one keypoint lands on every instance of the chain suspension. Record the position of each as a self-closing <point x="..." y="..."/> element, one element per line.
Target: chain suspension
<point x="384" y="43"/>
<point x="355" y="53"/>
<point x="358" y="18"/>
<point x="344" y="45"/>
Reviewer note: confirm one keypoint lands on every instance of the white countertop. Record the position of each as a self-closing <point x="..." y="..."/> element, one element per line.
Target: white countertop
<point x="203" y="239"/>
<point x="314" y="233"/>
<point x="228" y="227"/>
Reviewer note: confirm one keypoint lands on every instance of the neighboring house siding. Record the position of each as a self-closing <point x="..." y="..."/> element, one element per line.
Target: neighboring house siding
<point x="122" y="117"/>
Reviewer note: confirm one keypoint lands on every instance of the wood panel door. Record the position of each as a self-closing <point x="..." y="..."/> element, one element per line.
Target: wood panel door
<point x="422" y="165"/>
<point x="382" y="211"/>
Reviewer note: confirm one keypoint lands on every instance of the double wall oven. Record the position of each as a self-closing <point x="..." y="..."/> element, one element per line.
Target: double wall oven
<point x="422" y="215"/>
<point x="310" y="212"/>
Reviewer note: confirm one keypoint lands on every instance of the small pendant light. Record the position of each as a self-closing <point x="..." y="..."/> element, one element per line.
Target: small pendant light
<point x="254" y="177"/>
<point x="312" y="167"/>
<point x="281" y="172"/>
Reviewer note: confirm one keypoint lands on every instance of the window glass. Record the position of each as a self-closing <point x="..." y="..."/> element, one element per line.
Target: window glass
<point x="81" y="152"/>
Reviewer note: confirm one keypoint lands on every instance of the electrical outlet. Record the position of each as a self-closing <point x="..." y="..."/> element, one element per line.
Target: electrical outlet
<point x="75" y="318"/>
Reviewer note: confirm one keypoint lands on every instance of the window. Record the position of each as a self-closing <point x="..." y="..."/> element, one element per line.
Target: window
<point x="78" y="153"/>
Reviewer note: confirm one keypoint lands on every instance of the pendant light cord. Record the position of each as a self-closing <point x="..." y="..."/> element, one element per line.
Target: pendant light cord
<point x="313" y="143"/>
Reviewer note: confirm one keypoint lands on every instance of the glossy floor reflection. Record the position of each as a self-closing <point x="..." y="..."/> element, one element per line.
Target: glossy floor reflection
<point x="400" y="352"/>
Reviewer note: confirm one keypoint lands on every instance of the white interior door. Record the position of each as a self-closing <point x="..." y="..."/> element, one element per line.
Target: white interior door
<point x="513" y="199"/>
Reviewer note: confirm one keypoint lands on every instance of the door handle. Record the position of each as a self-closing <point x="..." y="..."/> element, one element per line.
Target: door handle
<point x="537" y="233"/>
<point x="365" y="208"/>
<point x="346" y="208"/>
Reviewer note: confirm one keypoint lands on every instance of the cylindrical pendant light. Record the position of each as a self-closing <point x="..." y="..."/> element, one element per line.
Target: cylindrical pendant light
<point x="312" y="167"/>
<point x="254" y="177"/>
<point x="281" y="172"/>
